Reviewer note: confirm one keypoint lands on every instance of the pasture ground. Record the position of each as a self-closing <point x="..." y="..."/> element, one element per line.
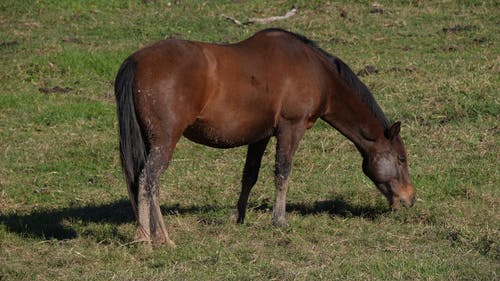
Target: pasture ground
<point x="64" y="213"/>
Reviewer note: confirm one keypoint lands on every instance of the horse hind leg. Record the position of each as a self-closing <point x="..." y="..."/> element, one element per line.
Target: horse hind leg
<point x="151" y="226"/>
<point x="250" y="175"/>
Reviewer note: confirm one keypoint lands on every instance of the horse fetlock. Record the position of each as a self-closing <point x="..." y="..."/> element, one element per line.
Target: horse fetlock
<point x="237" y="216"/>
<point x="280" y="221"/>
<point x="142" y="234"/>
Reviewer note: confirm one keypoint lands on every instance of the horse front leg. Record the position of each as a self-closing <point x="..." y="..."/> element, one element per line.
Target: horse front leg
<point x="288" y="138"/>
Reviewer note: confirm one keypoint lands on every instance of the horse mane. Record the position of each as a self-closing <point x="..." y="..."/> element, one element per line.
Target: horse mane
<point x="345" y="72"/>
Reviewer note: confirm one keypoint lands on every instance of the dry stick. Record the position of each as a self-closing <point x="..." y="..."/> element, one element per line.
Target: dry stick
<point x="290" y="13"/>
<point x="232" y="19"/>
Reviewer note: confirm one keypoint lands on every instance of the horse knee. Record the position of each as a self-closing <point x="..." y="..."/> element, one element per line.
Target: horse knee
<point x="249" y="180"/>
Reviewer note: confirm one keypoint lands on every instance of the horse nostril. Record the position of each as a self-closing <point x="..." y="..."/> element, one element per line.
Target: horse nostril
<point x="407" y="203"/>
<point x="402" y="202"/>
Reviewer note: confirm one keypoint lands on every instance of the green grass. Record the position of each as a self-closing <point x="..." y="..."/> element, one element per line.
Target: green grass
<point x="64" y="213"/>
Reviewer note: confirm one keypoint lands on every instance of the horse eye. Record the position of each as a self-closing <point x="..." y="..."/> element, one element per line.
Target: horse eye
<point x="402" y="159"/>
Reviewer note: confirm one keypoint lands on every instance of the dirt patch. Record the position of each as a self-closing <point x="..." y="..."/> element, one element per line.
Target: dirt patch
<point x="452" y="48"/>
<point x="343" y="14"/>
<point x="409" y="69"/>
<point x="480" y="40"/>
<point x="367" y="70"/>
<point x="73" y="40"/>
<point x="339" y="41"/>
<point x="92" y="180"/>
<point x="8" y="44"/>
<point x="55" y="90"/>
<point x="377" y="8"/>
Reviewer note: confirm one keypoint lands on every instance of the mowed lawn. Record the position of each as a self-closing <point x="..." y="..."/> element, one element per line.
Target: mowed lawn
<point x="64" y="212"/>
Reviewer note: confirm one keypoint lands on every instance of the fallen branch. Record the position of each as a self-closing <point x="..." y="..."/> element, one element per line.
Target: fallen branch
<point x="232" y="19"/>
<point x="290" y="13"/>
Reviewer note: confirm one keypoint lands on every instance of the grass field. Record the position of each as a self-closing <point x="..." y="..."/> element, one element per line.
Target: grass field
<point x="64" y="212"/>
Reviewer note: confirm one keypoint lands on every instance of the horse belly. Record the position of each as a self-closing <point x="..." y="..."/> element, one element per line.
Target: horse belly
<point x="228" y="133"/>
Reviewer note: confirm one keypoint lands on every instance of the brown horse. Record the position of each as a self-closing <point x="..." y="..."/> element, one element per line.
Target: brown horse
<point x="276" y="83"/>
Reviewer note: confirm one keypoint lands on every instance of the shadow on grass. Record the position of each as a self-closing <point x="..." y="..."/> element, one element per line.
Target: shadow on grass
<point x="51" y="223"/>
<point x="336" y="207"/>
<point x="56" y="223"/>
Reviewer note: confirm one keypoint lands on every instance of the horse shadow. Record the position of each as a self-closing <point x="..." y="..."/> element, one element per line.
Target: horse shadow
<point x="56" y="223"/>
<point x="338" y="207"/>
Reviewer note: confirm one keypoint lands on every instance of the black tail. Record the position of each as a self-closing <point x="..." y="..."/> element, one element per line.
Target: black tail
<point x="133" y="147"/>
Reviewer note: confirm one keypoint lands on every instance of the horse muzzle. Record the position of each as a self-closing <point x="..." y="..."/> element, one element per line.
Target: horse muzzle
<point x="404" y="198"/>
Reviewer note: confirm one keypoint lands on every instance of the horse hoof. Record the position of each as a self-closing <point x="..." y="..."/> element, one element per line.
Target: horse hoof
<point x="160" y="240"/>
<point x="170" y="243"/>
<point x="236" y="218"/>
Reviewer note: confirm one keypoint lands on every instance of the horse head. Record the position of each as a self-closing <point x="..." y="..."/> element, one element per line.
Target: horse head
<point x="385" y="163"/>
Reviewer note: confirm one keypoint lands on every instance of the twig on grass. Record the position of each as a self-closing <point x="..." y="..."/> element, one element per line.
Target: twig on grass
<point x="290" y="13"/>
<point x="233" y="19"/>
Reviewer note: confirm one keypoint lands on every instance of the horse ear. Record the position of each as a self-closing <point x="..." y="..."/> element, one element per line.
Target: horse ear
<point x="392" y="132"/>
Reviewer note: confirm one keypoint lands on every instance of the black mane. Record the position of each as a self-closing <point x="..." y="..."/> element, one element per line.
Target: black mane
<point x="345" y="73"/>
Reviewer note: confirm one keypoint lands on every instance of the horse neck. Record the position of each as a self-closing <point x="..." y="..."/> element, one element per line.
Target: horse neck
<point x="358" y="118"/>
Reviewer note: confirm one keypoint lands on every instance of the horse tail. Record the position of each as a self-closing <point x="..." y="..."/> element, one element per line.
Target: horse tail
<point x="133" y="146"/>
